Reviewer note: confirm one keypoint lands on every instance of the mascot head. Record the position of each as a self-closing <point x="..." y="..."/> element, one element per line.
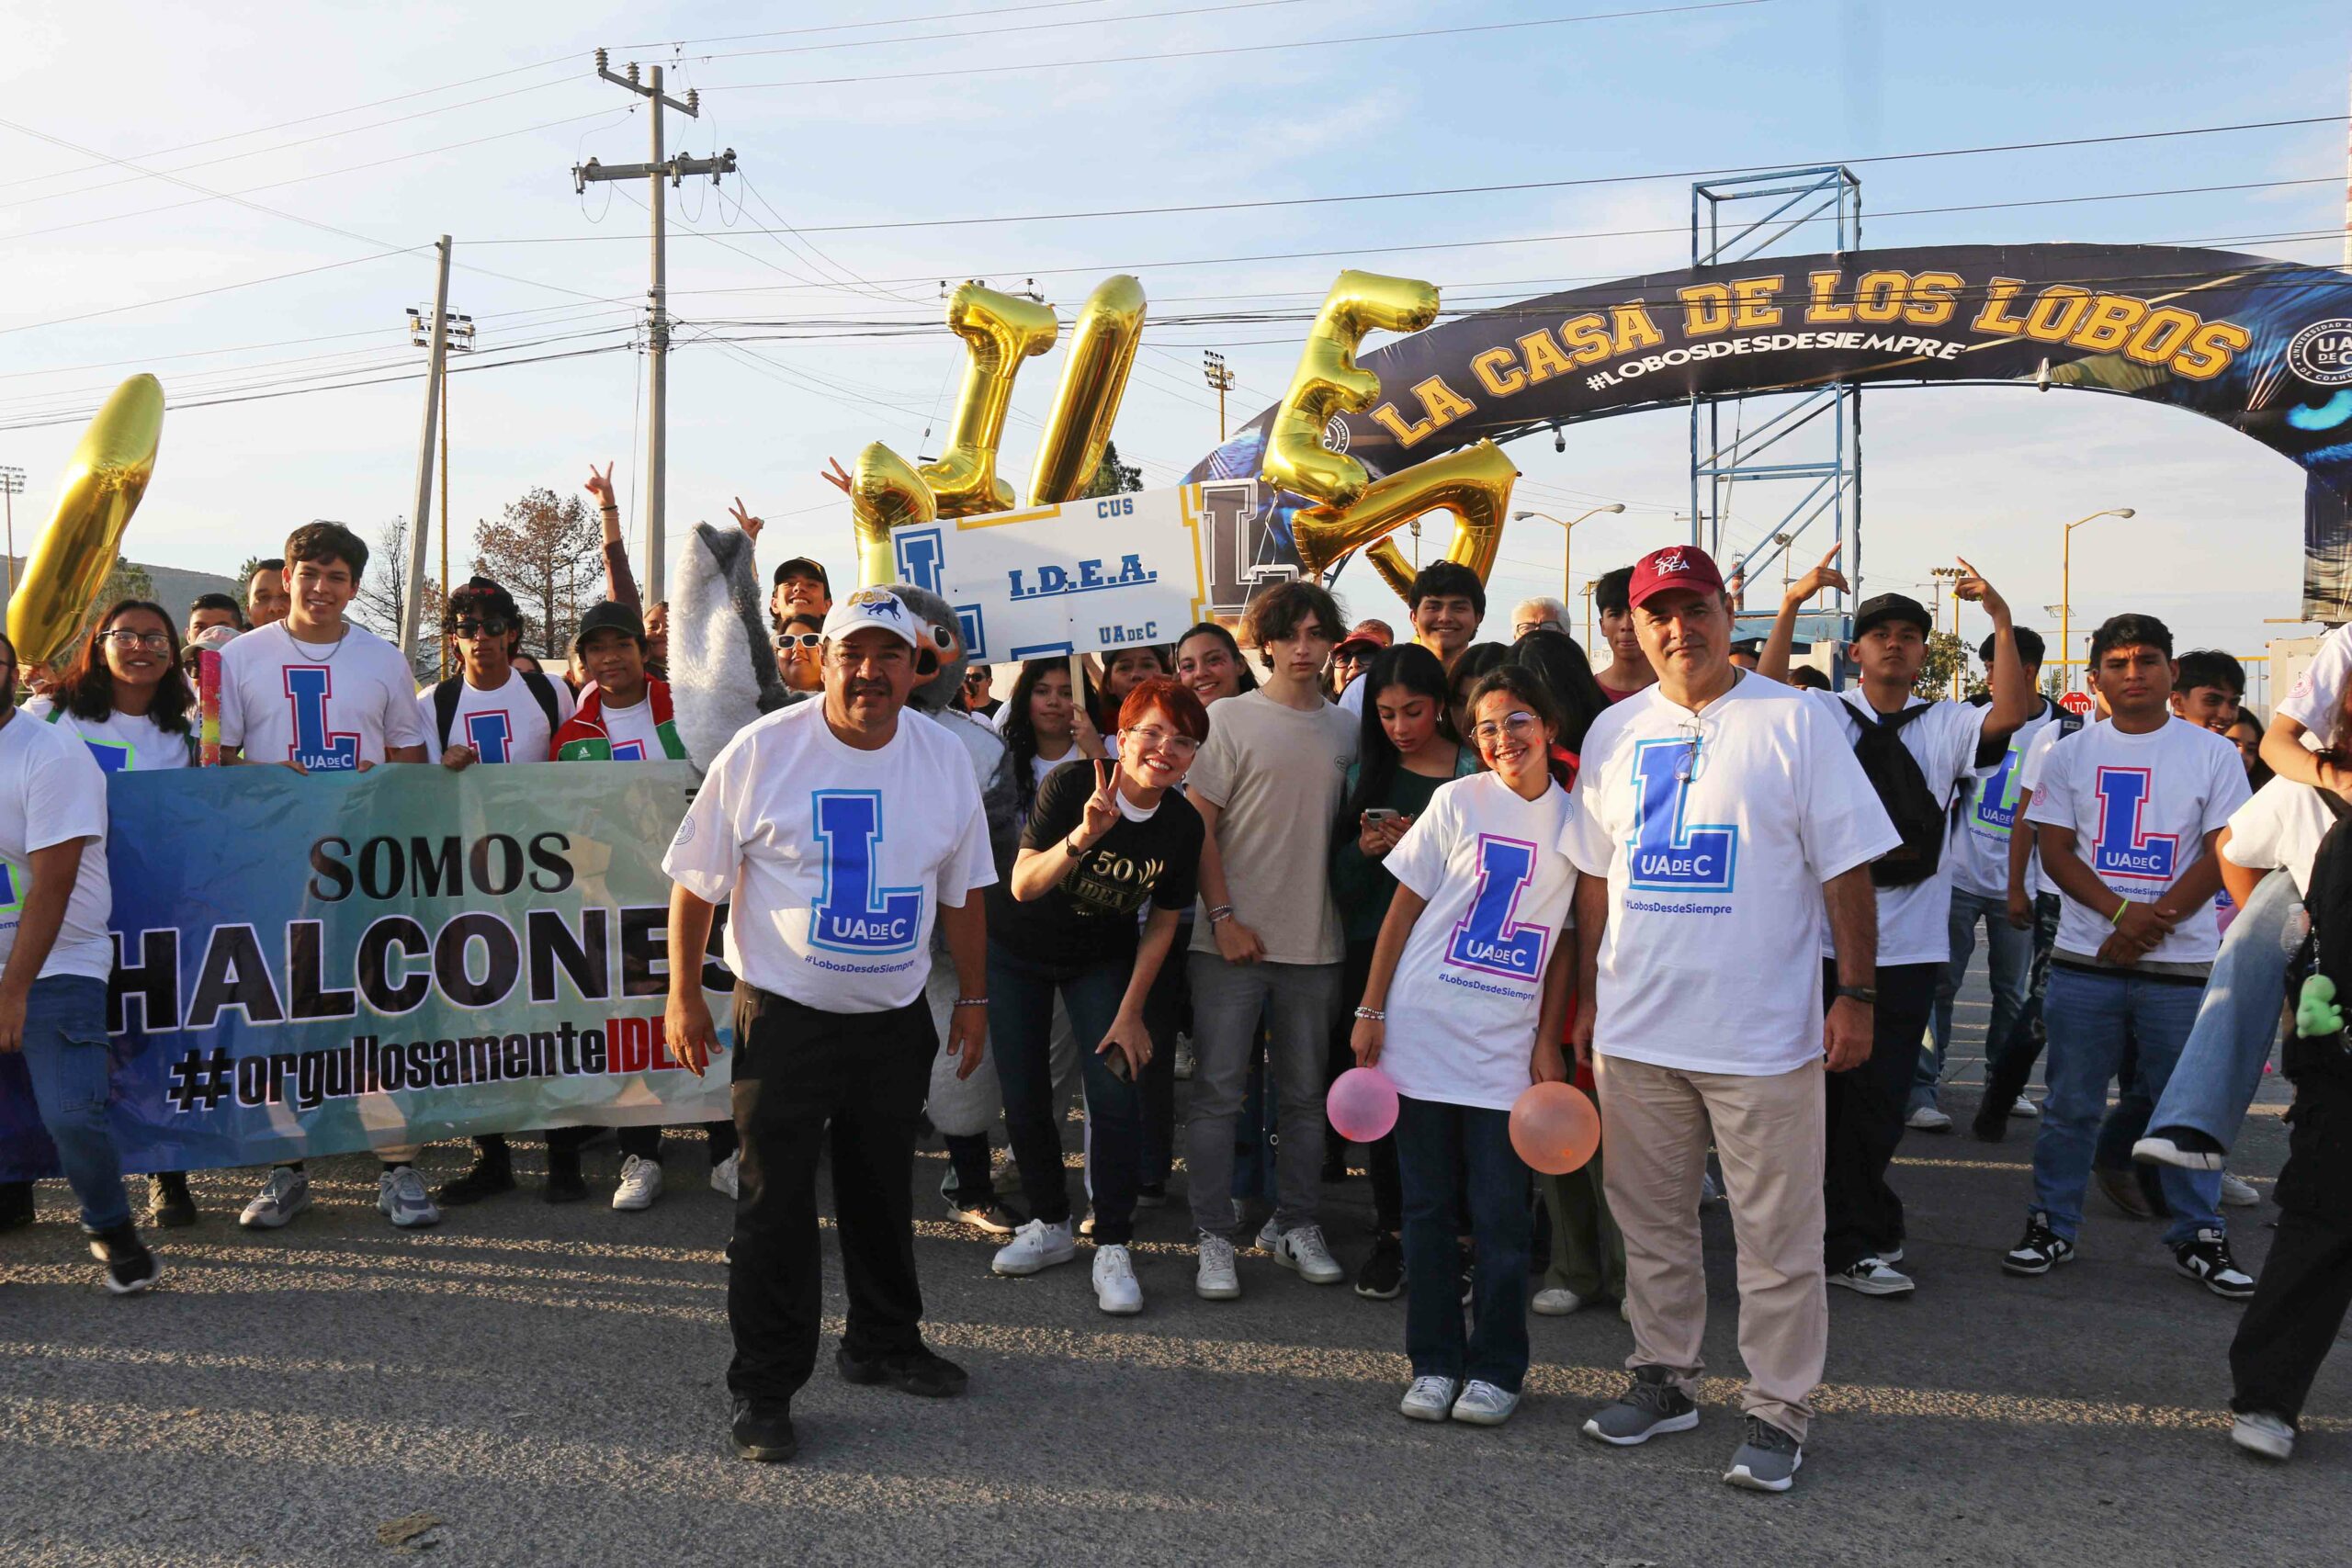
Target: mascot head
<point x="939" y="667"/>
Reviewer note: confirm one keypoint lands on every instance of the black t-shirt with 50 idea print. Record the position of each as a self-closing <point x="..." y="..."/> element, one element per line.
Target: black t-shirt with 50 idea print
<point x="1092" y="917"/>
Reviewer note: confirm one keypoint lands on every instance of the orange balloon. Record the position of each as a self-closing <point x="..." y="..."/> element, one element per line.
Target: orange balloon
<point x="1554" y="1128"/>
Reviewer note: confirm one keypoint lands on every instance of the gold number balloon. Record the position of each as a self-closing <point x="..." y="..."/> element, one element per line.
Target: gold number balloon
<point x="1000" y="331"/>
<point x="1329" y="382"/>
<point x="1474" y="484"/>
<point x="885" y="492"/>
<point x="101" y="487"/>
<point x="1101" y="354"/>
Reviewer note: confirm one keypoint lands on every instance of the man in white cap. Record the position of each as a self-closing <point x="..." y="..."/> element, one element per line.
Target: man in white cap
<point x="838" y="834"/>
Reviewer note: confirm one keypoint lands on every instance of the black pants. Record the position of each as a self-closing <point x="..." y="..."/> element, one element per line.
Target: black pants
<point x="645" y="1142"/>
<point x="1388" y="1184"/>
<point x="802" y="1076"/>
<point x="1865" y="1111"/>
<point x="2008" y="1061"/>
<point x="2306" y="1284"/>
<point x="1165" y="1008"/>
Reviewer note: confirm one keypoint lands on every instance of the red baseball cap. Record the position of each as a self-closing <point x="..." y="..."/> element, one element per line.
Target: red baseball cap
<point x="1677" y="566"/>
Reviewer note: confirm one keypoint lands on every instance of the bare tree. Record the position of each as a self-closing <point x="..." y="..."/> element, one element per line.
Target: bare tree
<point x="383" y="599"/>
<point x="540" y="549"/>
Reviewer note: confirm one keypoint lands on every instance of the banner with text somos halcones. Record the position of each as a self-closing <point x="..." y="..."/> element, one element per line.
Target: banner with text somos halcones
<point x="320" y="966"/>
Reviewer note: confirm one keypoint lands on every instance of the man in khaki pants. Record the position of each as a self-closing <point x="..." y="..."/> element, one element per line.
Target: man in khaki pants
<point x="1717" y="815"/>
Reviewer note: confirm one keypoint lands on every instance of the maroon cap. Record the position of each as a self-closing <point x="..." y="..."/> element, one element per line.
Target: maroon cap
<point x="1358" y="640"/>
<point x="1677" y="566"/>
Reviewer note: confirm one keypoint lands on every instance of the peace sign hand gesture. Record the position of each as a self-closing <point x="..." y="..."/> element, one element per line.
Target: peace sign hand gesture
<point x="600" y="485"/>
<point x="837" y="476"/>
<point x="745" y="520"/>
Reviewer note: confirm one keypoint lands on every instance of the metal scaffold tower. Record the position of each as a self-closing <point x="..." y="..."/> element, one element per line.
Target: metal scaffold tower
<point x="1750" y="454"/>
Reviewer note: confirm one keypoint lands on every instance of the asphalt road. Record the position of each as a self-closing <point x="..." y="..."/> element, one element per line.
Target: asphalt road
<point x="547" y="1383"/>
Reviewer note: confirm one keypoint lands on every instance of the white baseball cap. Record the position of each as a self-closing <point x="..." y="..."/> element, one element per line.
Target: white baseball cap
<point x="877" y="607"/>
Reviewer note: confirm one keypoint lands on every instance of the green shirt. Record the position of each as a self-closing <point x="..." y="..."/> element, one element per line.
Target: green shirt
<point x="1361" y="886"/>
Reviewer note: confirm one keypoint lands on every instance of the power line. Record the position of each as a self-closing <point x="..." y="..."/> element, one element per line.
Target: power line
<point x="201" y="293"/>
<point x="963" y="70"/>
<point x="1021" y="28"/>
<point x="847" y="27"/>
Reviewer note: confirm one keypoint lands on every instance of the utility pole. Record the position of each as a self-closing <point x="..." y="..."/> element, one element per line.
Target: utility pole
<point x="456" y="336"/>
<point x="652" y="569"/>
<point x="12" y="485"/>
<point x="437" y="335"/>
<point x="1213" y="367"/>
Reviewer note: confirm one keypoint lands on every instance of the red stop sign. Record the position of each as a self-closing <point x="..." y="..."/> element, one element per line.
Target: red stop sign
<point x="2077" y="702"/>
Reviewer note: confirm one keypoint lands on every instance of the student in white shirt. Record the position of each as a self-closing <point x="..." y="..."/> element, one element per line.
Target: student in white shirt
<point x="1719" y="814"/>
<point x="2010" y="1055"/>
<point x="1451" y="1013"/>
<point x="490" y="710"/>
<point x="1940" y="744"/>
<point x="317" y="694"/>
<point x="2126" y="814"/>
<point x="128" y="698"/>
<point x="55" y="957"/>
<point x="837" y="831"/>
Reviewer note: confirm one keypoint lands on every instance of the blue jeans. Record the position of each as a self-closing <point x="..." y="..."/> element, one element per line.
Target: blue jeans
<point x="2089" y="1013"/>
<point x="1020" y="1027"/>
<point x="1447" y="1154"/>
<point x="65" y="1055"/>
<point x="2009" y="953"/>
<point x="2221" y="1067"/>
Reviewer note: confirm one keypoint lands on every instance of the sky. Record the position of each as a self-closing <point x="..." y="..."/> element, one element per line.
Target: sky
<point x="244" y="205"/>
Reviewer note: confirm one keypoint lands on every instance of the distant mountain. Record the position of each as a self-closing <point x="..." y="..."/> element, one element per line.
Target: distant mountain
<point x="174" y="586"/>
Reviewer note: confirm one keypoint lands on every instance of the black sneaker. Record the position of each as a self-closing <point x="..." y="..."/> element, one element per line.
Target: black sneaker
<point x="493" y="1173"/>
<point x="130" y="1268"/>
<point x="1654" y="1402"/>
<point x="763" y="1436"/>
<point x="2184" y="1147"/>
<point x="1152" y="1194"/>
<point x="2041" y="1250"/>
<point x="2205" y="1259"/>
<point x="16" y="1205"/>
<point x="1991" y="1122"/>
<point x="169" y="1205"/>
<point x="917" y="1372"/>
<point x="565" y="1184"/>
<point x="1382" y="1278"/>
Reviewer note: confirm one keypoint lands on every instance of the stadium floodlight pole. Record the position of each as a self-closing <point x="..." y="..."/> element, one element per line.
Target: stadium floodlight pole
<point x="1567" y="535"/>
<point x="652" y="571"/>
<point x="12" y="485"/>
<point x="1220" y="378"/>
<point x="420" y="516"/>
<point x="2067" y="582"/>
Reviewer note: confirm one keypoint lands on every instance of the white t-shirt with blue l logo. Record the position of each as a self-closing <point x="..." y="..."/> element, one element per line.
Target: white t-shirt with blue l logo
<point x="1717" y="830"/>
<point x="120" y="742"/>
<point x="1462" y="1010"/>
<point x="2140" y="807"/>
<point x="1979" y="846"/>
<point x="329" y="706"/>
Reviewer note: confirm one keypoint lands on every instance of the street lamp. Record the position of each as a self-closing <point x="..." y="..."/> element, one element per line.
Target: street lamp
<point x="1586" y="592"/>
<point x="12" y="485"/>
<point x="2066" y="582"/>
<point x="1568" y="528"/>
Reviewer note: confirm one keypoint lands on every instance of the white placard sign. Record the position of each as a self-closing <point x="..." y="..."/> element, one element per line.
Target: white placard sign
<point x="1085" y="577"/>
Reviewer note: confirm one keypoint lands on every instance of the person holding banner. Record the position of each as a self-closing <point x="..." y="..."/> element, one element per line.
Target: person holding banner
<point x="55" y="956"/>
<point x="1105" y="841"/>
<point x="315" y="694"/>
<point x="128" y="698"/>
<point x="837" y="834"/>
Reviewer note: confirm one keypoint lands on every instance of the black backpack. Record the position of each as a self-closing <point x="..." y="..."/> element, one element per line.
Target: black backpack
<point x="445" y="695"/>
<point x="1903" y="790"/>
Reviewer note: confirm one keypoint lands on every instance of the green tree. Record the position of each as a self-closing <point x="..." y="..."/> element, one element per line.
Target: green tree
<point x="2053" y="682"/>
<point x="1111" y="475"/>
<point x="1947" y="655"/>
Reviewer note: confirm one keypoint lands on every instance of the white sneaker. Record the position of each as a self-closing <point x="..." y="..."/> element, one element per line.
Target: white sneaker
<point x="401" y="1195"/>
<point x="1556" y="1302"/>
<point x="1928" y="1118"/>
<point x="1033" y="1247"/>
<point x="1302" y="1247"/>
<point x="1430" y="1399"/>
<point x="1871" y="1277"/>
<point x="726" y="1175"/>
<point x="2025" y="1108"/>
<point x="285" y="1194"/>
<point x="2238" y="1194"/>
<point x="1116" y="1291"/>
<point x="1484" y="1404"/>
<point x="1219" y="1279"/>
<point x="640" y="1183"/>
<point x="2259" y="1432"/>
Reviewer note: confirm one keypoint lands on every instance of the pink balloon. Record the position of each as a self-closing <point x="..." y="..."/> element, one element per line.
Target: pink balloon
<point x="1361" y="1104"/>
<point x="1554" y="1128"/>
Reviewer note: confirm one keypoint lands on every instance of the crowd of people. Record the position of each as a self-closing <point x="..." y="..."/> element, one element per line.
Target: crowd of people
<point x="1731" y="904"/>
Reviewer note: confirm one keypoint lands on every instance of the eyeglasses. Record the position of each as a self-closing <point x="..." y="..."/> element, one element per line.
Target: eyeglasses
<point x="1151" y="737"/>
<point x="1693" y="761"/>
<point x="489" y="626"/>
<point x="1521" y="628"/>
<point x="788" y="641"/>
<point x="125" y="639"/>
<point x="1518" y="725"/>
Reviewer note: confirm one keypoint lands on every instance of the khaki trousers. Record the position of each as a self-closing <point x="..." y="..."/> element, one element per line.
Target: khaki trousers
<point x="1655" y="1126"/>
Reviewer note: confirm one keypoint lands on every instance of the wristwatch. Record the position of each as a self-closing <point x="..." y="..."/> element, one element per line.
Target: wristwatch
<point x="1866" y="995"/>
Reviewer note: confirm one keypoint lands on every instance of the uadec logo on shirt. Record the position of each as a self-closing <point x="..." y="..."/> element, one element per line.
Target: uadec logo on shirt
<point x="853" y="915"/>
<point x="1489" y="938"/>
<point x="2122" y="848"/>
<point x="308" y="687"/>
<point x="1665" y="854"/>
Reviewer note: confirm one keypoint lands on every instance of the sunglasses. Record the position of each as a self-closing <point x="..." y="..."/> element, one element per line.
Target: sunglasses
<point x="489" y="626"/>
<point x="787" y="641"/>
